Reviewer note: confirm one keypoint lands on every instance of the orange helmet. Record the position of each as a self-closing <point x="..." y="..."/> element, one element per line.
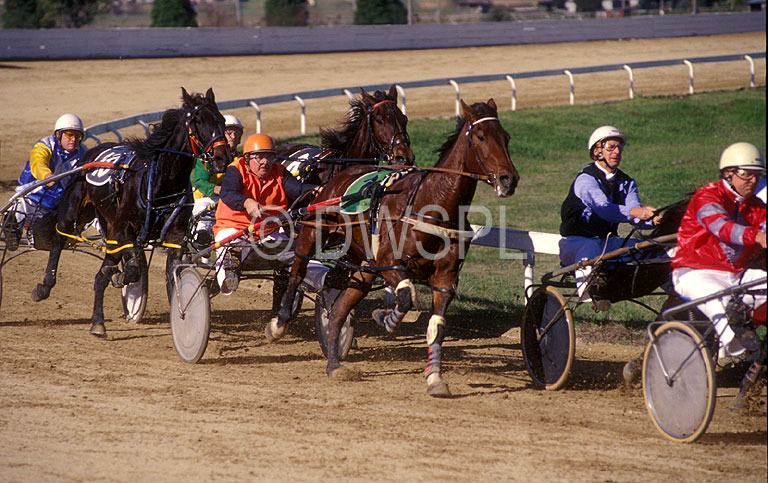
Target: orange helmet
<point x="258" y="143"/>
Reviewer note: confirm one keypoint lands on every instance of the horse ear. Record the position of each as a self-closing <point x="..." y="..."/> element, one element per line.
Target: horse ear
<point x="367" y="99"/>
<point x="492" y="104"/>
<point x="185" y="96"/>
<point x="393" y="93"/>
<point x="209" y="95"/>
<point x="468" y="113"/>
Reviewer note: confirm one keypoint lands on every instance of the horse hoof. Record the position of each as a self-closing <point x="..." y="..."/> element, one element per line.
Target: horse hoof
<point x="380" y="317"/>
<point x="436" y="386"/>
<point x="41" y="292"/>
<point x="99" y="331"/>
<point x="342" y="373"/>
<point x="273" y="332"/>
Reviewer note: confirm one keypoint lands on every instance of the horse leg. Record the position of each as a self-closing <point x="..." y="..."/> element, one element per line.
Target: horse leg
<point x="100" y="283"/>
<point x="43" y="290"/>
<point x="405" y="295"/>
<point x="275" y="329"/>
<point x="131" y="271"/>
<point x="358" y="288"/>
<point x="442" y="294"/>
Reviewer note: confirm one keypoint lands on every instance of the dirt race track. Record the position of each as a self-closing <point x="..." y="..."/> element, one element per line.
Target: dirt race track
<point x="127" y="409"/>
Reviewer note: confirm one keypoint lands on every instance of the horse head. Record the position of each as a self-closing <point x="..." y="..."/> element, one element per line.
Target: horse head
<point x="205" y="129"/>
<point x="387" y="126"/>
<point x="488" y="141"/>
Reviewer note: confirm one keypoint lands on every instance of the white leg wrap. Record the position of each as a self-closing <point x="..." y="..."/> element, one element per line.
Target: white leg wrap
<point x="434" y="322"/>
<point x="407" y="283"/>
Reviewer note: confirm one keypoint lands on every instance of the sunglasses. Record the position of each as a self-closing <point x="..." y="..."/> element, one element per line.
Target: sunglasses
<point x="73" y="135"/>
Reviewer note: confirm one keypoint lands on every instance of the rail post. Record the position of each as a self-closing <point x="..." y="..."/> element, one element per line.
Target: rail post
<point x="529" y="261"/>
<point x="349" y="95"/>
<point x="258" y="115"/>
<point x="401" y="95"/>
<point x="690" y="75"/>
<point x="145" y="126"/>
<point x="514" y="92"/>
<point x="631" y="81"/>
<point x="751" y="70"/>
<point x="116" y="133"/>
<point x="458" y="96"/>
<point x="303" y="114"/>
<point x="570" y="80"/>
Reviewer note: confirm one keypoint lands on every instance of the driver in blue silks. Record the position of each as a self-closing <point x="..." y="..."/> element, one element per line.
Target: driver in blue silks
<point x="601" y="197"/>
<point x="51" y="155"/>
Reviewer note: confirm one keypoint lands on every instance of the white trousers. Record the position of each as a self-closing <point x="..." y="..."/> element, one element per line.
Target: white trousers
<point x="692" y="284"/>
<point x="202" y="204"/>
<point x="316" y="271"/>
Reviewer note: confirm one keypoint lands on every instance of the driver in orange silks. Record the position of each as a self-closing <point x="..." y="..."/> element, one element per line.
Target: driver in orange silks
<point x="254" y="188"/>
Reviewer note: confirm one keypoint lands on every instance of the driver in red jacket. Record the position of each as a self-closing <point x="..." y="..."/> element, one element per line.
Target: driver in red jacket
<point x="721" y="230"/>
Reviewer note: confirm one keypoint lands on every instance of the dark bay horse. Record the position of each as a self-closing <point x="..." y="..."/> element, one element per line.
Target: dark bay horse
<point x="423" y="240"/>
<point x="374" y="131"/>
<point x="145" y="201"/>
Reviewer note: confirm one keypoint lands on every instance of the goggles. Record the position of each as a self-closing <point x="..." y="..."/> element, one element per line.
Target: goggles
<point x="613" y="146"/>
<point x="72" y="135"/>
<point x="747" y="174"/>
<point x="261" y="156"/>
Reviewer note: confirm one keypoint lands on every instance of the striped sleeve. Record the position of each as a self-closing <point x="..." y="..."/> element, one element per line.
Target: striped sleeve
<point x="716" y="220"/>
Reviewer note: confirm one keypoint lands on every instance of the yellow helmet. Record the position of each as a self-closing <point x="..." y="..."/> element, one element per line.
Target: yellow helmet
<point x="742" y="155"/>
<point x="259" y="143"/>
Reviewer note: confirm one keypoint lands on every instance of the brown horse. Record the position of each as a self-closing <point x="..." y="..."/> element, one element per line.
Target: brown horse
<point x="423" y="240"/>
<point x="374" y="131"/>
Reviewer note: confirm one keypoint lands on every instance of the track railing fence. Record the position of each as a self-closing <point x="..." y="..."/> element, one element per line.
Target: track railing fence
<point x="527" y="243"/>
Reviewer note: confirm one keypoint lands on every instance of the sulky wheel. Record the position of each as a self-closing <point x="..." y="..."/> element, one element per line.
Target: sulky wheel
<point x="190" y="315"/>
<point x="679" y="382"/>
<point x="548" y="338"/>
<point x="323" y="304"/>
<point x="135" y="294"/>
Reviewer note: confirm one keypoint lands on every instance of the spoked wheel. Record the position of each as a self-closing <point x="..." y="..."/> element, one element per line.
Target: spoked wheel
<point x="323" y="304"/>
<point x="679" y="382"/>
<point x="548" y="338"/>
<point x="1" y="285"/>
<point x="190" y="316"/>
<point x="135" y="294"/>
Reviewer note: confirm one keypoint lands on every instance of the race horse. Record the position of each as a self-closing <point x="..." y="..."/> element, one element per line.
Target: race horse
<point x="144" y="200"/>
<point x="374" y="131"/>
<point x="429" y="207"/>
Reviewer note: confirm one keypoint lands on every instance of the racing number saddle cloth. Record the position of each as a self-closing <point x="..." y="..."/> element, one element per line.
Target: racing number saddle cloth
<point x="119" y="156"/>
<point x="365" y="182"/>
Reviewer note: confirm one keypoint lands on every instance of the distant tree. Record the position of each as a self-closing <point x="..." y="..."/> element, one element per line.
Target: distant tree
<point x="173" y="13"/>
<point x="33" y="14"/>
<point x="21" y="14"/>
<point x="286" y="13"/>
<point x="496" y="14"/>
<point x="380" y="12"/>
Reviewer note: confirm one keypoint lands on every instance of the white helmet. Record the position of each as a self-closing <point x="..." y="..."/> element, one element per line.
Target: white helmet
<point x="232" y="121"/>
<point x="68" y="122"/>
<point x="604" y="132"/>
<point x="742" y="155"/>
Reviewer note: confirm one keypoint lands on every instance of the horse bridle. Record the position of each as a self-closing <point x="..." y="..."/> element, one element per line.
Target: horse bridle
<point x="488" y="175"/>
<point x="194" y="143"/>
<point x="387" y="152"/>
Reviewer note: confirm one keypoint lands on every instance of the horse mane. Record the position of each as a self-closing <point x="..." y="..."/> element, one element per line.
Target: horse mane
<point x="161" y="132"/>
<point x="338" y="139"/>
<point x="481" y="109"/>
